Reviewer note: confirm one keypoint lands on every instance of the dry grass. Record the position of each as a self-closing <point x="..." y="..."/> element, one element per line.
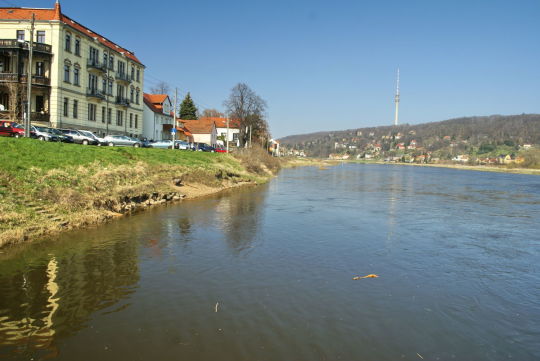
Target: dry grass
<point x="257" y="160"/>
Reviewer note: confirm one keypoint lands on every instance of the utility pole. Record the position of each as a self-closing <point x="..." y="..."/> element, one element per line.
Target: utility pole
<point x="174" y="118"/>
<point x="227" y="139"/>
<point x="29" y="80"/>
<point x="250" y="136"/>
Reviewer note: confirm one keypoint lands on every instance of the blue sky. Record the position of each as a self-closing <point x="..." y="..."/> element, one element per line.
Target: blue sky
<point x="329" y="65"/>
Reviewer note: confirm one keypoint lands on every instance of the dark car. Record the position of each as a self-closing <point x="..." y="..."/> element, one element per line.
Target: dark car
<point x="11" y="129"/>
<point x="61" y="136"/>
<point x="203" y="147"/>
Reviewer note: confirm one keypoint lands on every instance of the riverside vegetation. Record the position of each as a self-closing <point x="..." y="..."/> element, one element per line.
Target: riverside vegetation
<point x="49" y="187"/>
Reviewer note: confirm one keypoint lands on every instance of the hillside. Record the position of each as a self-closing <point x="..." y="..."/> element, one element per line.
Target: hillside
<point x="478" y="135"/>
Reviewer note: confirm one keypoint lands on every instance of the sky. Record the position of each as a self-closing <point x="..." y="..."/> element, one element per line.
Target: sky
<point x="331" y="65"/>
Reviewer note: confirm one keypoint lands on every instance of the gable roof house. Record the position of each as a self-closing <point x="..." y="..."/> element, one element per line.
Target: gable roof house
<point x="202" y="130"/>
<point x="233" y="131"/>
<point x="157" y="118"/>
<point x="80" y="79"/>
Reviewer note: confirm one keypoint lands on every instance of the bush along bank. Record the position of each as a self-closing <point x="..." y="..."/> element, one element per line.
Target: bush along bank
<point x="46" y="188"/>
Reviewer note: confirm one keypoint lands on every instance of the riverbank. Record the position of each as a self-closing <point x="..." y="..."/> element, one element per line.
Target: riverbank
<point x="47" y="188"/>
<point x="480" y="168"/>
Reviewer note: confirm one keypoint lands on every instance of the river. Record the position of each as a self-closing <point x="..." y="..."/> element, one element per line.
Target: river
<point x="266" y="273"/>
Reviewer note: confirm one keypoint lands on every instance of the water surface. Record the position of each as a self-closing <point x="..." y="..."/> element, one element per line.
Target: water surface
<point x="457" y="253"/>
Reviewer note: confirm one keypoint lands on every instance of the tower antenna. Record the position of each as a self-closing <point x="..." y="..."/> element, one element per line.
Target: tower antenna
<point x="396" y="99"/>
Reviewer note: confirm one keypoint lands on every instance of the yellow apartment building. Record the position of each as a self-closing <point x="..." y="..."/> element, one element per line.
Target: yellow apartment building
<point x="80" y="79"/>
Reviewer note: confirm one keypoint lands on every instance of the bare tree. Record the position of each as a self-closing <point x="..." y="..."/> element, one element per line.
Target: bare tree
<point x="17" y="96"/>
<point x="160" y="88"/>
<point x="249" y="108"/>
<point x="212" y="113"/>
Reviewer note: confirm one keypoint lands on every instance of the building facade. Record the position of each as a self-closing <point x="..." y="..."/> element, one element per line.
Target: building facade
<point x="157" y="117"/>
<point x="80" y="79"/>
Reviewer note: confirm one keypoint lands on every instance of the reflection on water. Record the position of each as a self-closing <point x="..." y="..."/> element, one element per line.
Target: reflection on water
<point x="457" y="255"/>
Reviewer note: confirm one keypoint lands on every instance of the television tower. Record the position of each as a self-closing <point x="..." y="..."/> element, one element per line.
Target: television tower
<point x="396" y="99"/>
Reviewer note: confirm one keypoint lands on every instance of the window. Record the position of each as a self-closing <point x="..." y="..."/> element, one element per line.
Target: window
<point x="137" y="97"/>
<point x="119" y="118"/>
<point x="92" y="82"/>
<point x="105" y="58"/>
<point x="110" y="87"/>
<point x="40" y="37"/>
<point x="40" y="68"/>
<point x="103" y="114"/>
<point x="131" y="94"/>
<point x="75" y="108"/>
<point x="20" y="35"/>
<point x="132" y="73"/>
<point x="109" y="115"/>
<point x="235" y="136"/>
<point x="66" y="106"/>
<point x="94" y="55"/>
<point x="78" y="47"/>
<point x="121" y="67"/>
<point x="131" y="120"/>
<point x="111" y="62"/>
<point x="92" y="112"/>
<point x="136" y="121"/>
<point x="104" y="85"/>
<point x="67" y="46"/>
<point x="76" y="77"/>
<point x="138" y="75"/>
<point x="66" y="73"/>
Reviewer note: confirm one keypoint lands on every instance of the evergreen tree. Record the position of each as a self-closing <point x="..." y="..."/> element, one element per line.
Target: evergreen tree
<point x="188" y="110"/>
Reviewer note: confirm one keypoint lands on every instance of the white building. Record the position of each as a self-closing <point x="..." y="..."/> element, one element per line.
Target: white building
<point x="233" y="130"/>
<point x="157" y="118"/>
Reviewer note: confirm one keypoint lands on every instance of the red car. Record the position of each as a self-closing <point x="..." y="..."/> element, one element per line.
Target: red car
<point x="221" y="150"/>
<point x="11" y="129"/>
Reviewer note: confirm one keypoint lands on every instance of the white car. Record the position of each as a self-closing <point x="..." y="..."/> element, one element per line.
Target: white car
<point x="121" y="141"/>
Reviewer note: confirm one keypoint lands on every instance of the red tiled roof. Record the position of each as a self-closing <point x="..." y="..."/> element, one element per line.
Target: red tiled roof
<point x="198" y="126"/>
<point x="222" y="122"/>
<point x="156" y="98"/>
<point x="56" y="14"/>
<point x="155" y="102"/>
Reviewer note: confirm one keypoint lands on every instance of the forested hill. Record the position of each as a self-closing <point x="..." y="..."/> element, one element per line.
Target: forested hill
<point x="461" y="133"/>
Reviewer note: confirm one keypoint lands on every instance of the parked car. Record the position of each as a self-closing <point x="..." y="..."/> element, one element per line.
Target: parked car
<point x="11" y="129"/>
<point x="42" y="133"/>
<point x="121" y="140"/>
<point x="203" y="147"/>
<point x="180" y="144"/>
<point x="61" y="136"/>
<point x="89" y="134"/>
<point x="163" y="144"/>
<point x="221" y="150"/>
<point x="79" y="138"/>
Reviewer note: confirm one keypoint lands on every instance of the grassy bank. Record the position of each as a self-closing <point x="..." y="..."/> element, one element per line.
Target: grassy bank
<point x="49" y="187"/>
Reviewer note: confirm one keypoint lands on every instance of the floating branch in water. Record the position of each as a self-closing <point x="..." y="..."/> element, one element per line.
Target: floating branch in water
<point x="368" y="276"/>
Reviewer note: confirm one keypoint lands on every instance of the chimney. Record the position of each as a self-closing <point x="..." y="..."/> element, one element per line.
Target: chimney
<point x="57" y="11"/>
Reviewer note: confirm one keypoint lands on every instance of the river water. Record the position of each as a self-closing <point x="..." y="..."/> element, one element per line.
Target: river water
<point x="265" y="273"/>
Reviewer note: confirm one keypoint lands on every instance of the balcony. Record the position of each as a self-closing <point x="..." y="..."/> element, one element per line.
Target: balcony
<point x="17" y="44"/>
<point x="9" y="77"/>
<point x="36" y="80"/>
<point x="40" y="117"/>
<point x="95" y="93"/>
<point x="123" y="77"/>
<point x="122" y="101"/>
<point x="94" y="64"/>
